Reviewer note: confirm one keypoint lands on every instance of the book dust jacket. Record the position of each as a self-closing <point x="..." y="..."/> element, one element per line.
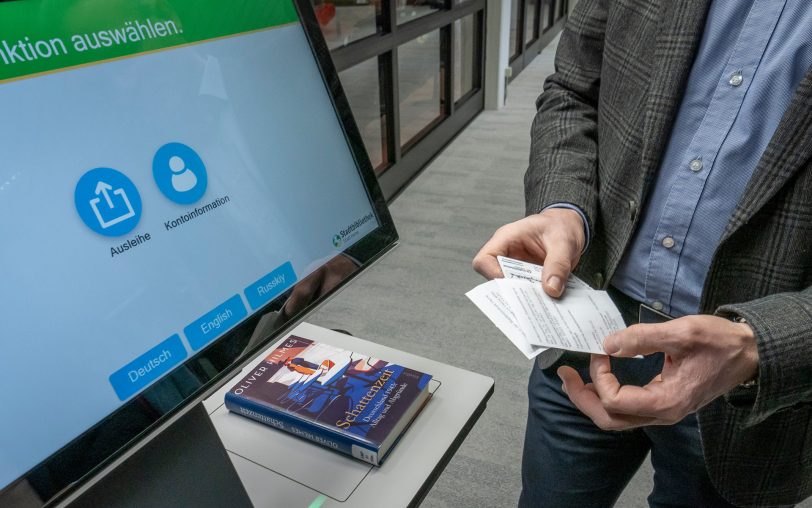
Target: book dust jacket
<point x="334" y="389"/>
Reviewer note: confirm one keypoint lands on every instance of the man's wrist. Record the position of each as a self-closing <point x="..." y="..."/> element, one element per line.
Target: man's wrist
<point x="576" y="208"/>
<point x="751" y="351"/>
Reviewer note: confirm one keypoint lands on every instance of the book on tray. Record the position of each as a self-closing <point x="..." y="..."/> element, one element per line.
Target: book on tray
<point x="347" y="401"/>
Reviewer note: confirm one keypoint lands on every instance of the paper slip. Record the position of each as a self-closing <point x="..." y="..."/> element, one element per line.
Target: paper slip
<point x="534" y="321"/>
<point x="515" y="269"/>
<point x="490" y="301"/>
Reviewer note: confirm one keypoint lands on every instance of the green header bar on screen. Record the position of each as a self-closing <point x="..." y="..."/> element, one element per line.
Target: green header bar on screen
<point x="40" y="36"/>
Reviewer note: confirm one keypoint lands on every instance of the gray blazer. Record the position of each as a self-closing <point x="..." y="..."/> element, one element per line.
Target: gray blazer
<point x="603" y="122"/>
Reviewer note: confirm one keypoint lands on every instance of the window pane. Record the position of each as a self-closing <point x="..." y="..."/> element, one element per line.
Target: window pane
<point x="408" y="10"/>
<point x="420" y="78"/>
<point x="344" y="21"/>
<point x="546" y="19"/>
<point x="362" y="86"/>
<point x="530" y="21"/>
<point x="464" y="55"/>
<point x="514" y="27"/>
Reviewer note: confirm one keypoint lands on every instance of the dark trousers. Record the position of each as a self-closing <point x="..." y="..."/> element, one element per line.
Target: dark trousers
<point x="569" y="462"/>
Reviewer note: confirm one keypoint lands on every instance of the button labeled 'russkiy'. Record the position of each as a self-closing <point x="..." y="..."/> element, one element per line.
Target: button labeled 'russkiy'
<point x="269" y="287"/>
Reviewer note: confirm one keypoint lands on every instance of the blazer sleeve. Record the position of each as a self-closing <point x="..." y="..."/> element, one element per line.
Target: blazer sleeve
<point x="783" y="327"/>
<point x="564" y="136"/>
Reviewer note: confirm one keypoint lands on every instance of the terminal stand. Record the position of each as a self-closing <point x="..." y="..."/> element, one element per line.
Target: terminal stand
<point x="213" y="458"/>
<point x="280" y="470"/>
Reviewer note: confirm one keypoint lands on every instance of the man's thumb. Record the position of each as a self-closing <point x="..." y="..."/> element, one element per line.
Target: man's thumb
<point x="557" y="267"/>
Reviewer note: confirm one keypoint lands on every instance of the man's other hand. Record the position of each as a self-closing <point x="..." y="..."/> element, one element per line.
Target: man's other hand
<point x="554" y="238"/>
<point x="705" y="357"/>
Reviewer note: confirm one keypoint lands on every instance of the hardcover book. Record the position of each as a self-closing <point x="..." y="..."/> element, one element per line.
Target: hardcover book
<point x="344" y="400"/>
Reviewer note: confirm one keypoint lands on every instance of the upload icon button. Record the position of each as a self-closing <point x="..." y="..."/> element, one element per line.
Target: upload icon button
<point x="107" y="202"/>
<point x="179" y="173"/>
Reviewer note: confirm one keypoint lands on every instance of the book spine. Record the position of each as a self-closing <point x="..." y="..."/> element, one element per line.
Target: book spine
<point x="338" y="442"/>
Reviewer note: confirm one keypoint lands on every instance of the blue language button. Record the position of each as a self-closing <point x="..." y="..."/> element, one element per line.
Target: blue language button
<point x="215" y="322"/>
<point x="269" y="287"/>
<point x="145" y="369"/>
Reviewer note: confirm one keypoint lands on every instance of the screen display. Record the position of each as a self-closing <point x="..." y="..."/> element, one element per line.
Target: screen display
<point x="168" y="169"/>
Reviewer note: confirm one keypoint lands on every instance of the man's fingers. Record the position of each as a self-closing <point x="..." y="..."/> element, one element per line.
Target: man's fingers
<point x="587" y="401"/>
<point x="651" y="401"/>
<point x="557" y="268"/>
<point x="487" y="266"/>
<point x="571" y="380"/>
<point x="485" y="262"/>
<point x="550" y="238"/>
<point x="642" y="339"/>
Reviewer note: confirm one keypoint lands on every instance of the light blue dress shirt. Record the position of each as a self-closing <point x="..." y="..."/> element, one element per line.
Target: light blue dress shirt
<point x="752" y="56"/>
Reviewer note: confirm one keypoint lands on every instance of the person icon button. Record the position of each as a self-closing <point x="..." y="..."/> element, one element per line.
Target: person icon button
<point x="179" y="173"/>
<point x="183" y="178"/>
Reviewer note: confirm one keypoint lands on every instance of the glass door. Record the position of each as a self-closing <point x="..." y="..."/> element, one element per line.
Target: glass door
<point x="533" y="24"/>
<point x="412" y="72"/>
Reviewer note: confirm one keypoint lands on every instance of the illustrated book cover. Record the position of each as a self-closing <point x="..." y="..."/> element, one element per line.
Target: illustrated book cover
<point x="347" y="401"/>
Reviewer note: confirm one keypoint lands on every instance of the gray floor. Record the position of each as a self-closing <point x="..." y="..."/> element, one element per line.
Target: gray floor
<point x="414" y="299"/>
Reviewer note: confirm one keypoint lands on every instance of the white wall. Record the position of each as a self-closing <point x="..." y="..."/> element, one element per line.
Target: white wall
<point x="497" y="45"/>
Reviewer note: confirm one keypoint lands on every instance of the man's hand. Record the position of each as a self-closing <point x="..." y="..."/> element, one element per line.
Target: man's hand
<point x="705" y="357"/>
<point x="554" y="238"/>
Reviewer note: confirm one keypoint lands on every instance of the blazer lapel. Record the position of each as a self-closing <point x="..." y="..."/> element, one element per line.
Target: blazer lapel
<point x="682" y="23"/>
<point x="789" y="149"/>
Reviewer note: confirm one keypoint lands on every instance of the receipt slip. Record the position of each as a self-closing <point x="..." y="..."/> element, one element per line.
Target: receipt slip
<point x="534" y="321"/>
<point x="488" y="298"/>
<point x="522" y="270"/>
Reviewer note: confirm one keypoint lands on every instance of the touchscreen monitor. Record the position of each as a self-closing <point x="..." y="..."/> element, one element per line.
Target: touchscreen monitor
<point x="172" y="173"/>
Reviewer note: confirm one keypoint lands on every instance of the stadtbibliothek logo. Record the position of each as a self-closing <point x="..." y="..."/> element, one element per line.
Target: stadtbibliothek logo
<point x="352" y="230"/>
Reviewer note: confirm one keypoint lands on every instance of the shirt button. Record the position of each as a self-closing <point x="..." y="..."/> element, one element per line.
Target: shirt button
<point x="736" y="79"/>
<point x="657" y="305"/>
<point x="696" y="165"/>
<point x="668" y="242"/>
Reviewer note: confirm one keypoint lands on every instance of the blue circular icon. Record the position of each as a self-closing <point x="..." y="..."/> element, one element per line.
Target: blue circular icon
<point x="107" y="202"/>
<point x="179" y="173"/>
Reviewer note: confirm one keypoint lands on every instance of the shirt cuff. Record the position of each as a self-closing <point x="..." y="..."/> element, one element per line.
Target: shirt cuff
<point x="570" y="206"/>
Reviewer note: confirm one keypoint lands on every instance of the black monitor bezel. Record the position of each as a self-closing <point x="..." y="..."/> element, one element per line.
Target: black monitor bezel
<point x="227" y="353"/>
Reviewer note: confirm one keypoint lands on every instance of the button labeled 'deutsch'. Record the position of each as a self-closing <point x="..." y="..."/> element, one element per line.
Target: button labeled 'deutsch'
<point x="136" y="375"/>
<point x="270" y="286"/>
<point x="216" y="322"/>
